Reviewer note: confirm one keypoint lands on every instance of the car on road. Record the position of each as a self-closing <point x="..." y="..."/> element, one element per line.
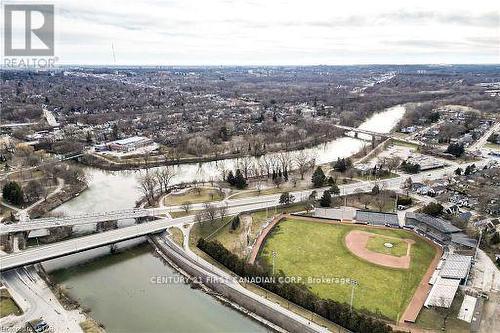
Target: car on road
<point x="39" y="325"/>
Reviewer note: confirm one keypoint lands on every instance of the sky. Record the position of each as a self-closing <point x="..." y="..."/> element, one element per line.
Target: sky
<point x="276" y="32"/>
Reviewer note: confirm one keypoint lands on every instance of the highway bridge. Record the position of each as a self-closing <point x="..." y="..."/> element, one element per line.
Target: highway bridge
<point x="90" y="218"/>
<point x="80" y="244"/>
<point x="363" y="131"/>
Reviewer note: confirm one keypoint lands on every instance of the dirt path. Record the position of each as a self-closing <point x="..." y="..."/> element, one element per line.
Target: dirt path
<point x="423" y="288"/>
<point x="357" y="240"/>
<point x="262" y="237"/>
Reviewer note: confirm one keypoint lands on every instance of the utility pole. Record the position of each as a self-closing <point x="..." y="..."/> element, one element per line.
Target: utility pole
<point x="352" y="295"/>
<point x="273" y="255"/>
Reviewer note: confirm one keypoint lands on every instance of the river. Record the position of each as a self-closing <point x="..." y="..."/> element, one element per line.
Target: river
<point x="117" y="287"/>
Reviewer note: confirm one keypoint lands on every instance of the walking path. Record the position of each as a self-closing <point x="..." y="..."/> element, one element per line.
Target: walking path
<point x="417" y="301"/>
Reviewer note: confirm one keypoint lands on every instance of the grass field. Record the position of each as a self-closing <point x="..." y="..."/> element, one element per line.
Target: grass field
<point x="310" y="249"/>
<point x="376" y="244"/>
<point x="194" y="196"/>
<point x="7" y="305"/>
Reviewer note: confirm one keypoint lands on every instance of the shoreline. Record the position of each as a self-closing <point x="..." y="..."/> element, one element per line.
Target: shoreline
<point x="104" y="163"/>
<point x="196" y="285"/>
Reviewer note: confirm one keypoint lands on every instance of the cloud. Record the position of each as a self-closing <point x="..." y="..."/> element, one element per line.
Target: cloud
<point x="274" y="32"/>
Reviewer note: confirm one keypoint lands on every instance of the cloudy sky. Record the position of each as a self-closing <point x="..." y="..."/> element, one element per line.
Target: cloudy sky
<point x="277" y="32"/>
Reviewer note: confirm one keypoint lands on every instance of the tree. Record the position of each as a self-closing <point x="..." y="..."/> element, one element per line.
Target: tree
<point x="393" y="163"/>
<point x="210" y="212"/>
<point x="335" y="189"/>
<point x="365" y="200"/>
<point x="458" y="171"/>
<point x="163" y="176"/>
<point x="230" y="178"/>
<point x="342" y="164"/>
<point x="222" y="210"/>
<point x="13" y="193"/>
<point x="455" y="149"/>
<point x="318" y="177"/>
<point x="286" y="198"/>
<point x="375" y="189"/>
<point x="304" y="162"/>
<point x="433" y="209"/>
<point x="313" y="195"/>
<point x="326" y="199"/>
<point x="410" y="167"/>
<point x="278" y="181"/>
<point x="239" y="181"/>
<point x="34" y="190"/>
<point x="186" y="206"/>
<point x="380" y="201"/>
<point x="148" y="185"/>
<point x="469" y="169"/>
<point x="235" y="223"/>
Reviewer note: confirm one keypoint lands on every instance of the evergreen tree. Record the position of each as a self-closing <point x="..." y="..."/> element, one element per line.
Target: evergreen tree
<point x="230" y="178"/>
<point x="335" y="189"/>
<point x="318" y="177"/>
<point x="240" y="181"/>
<point x="326" y="199"/>
<point x="13" y="193"/>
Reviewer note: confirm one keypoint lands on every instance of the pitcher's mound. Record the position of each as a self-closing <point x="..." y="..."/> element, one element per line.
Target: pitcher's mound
<point x="357" y="240"/>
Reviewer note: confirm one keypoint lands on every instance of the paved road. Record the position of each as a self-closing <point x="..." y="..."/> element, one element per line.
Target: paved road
<point x="483" y="139"/>
<point x="52" y="222"/>
<point x="37" y="301"/>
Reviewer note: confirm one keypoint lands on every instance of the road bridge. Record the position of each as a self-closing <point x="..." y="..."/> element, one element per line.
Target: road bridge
<point x="90" y="218"/>
<point x="80" y="244"/>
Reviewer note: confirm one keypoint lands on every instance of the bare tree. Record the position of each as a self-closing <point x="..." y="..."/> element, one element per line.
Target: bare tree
<point x="163" y="176"/>
<point x="148" y="185"/>
<point x="365" y="200"/>
<point x="210" y="212"/>
<point x="380" y="201"/>
<point x="285" y="161"/>
<point x="392" y="163"/>
<point x="186" y="206"/>
<point x="304" y="162"/>
<point x="222" y="210"/>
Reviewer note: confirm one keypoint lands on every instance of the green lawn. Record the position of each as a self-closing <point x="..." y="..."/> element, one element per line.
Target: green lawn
<point x="376" y="244"/>
<point x="310" y="249"/>
<point x="194" y="196"/>
<point x="7" y="305"/>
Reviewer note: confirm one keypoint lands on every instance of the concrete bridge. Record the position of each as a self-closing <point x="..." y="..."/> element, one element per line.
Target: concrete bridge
<point x="373" y="135"/>
<point x="80" y="244"/>
<point x="90" y="218"/>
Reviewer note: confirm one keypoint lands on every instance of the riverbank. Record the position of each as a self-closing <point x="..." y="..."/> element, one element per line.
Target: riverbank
<point x="110" y="163"/>
<point x="108" y="284"/>
<point x="196" y="284"/>
<point x="67" y="193"/>
<point x="89" y="324"/>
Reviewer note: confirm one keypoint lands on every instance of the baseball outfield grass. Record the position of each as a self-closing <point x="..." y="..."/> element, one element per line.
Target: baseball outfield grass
<point x="316" y="250"/>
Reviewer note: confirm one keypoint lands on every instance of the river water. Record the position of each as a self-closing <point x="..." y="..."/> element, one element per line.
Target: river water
<point x="118" y="289"/>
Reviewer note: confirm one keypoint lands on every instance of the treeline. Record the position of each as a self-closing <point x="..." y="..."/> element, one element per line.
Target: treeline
<point x="297" y="293"/>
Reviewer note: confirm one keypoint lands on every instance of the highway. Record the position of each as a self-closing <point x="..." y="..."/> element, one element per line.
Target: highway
<point x="52" y="222"/>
